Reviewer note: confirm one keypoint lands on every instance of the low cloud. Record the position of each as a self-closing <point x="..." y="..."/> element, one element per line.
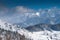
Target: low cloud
<point x="17" y="14"/>
<point x="21" y="9"/>
<point x="20" y="14"/>
<point x="3" y="11"/>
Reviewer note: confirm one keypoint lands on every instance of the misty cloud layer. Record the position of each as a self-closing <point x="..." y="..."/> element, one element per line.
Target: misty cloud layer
<point x="21" y="14"/>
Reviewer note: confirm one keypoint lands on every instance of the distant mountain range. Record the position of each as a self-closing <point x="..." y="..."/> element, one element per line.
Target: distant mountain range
<point x="42" y="27"/>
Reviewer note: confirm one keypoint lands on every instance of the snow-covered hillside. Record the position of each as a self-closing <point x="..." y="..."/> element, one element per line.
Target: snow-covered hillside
<point x="38" y="35"/>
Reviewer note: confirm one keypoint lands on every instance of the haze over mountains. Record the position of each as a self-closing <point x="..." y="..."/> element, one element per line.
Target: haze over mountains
<point x="45" y="16"/>
<point x="26" y="16"/>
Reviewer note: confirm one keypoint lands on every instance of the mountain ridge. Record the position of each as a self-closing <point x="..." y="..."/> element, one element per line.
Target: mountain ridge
<point x="55" y="27"/>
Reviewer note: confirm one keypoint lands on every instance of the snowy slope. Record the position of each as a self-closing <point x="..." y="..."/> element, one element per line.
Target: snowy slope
<point x="38" y="35"/>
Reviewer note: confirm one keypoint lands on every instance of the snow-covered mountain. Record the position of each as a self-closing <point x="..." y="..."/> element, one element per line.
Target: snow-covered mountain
<point x="38" y="32"/>
<point x="45" y="31"/>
